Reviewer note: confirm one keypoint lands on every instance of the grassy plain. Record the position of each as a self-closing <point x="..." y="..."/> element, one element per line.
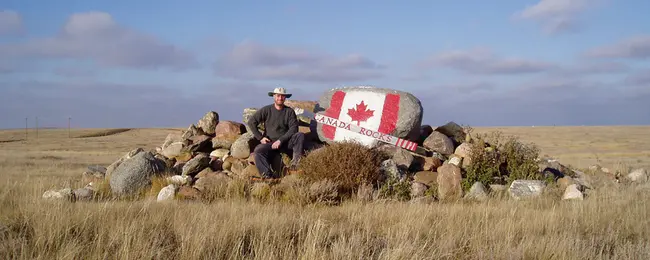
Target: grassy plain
<point x="611" y="223"/>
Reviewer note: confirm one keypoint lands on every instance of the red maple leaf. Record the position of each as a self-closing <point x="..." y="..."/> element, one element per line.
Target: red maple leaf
<point x="360" y="113"/>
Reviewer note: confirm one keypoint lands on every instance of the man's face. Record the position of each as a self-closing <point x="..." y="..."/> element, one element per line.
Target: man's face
<point x="279" y="99"/>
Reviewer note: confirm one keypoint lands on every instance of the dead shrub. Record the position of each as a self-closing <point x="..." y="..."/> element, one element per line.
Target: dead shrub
<point x="323" y="191"/>
<point x="349" y="164"/>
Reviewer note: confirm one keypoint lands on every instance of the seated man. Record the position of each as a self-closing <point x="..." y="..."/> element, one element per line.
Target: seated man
<point x="281" y="133"/>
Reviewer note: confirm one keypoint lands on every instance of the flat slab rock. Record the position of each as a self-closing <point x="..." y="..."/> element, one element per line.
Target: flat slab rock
<point x="522" y="189"/>
<point x="389" y="111"/>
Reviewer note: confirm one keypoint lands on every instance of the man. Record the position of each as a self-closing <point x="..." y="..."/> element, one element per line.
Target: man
<point x="280" y="133"/>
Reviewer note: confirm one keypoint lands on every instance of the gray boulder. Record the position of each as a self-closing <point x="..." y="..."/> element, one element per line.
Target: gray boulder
<point x="196" y="165"/>
<point x="440" y="143"/>
<point x="209" y="122"/>
<point x="247" y="114"/>
<point x="135" y="173"/>
<point x="243" y="146"/>
<point x="390" y="111"/>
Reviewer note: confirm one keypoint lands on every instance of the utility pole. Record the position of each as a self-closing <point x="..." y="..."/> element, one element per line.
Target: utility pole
<point x="25" y="128"/>
<point x="36" y="127"/>
<point x="69" y="118"/>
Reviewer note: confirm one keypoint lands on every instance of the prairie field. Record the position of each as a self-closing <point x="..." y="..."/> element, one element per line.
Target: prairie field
<point x="611" y="223"/>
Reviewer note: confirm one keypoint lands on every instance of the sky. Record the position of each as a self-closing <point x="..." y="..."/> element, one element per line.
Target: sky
<point x="480" y="63"/>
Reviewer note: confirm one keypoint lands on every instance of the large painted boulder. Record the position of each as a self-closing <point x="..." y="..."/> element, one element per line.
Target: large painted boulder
<point x="383" y="110"/>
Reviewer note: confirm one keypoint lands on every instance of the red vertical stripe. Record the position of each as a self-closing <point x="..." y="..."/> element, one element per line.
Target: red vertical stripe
<point x="334" y="111"/>
<point x="389" y="114"/>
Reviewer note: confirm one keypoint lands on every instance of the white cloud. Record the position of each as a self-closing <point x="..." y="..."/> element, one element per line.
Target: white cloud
<point x="95" y="36"/>
<point x="10" y="22"/>
<point x="556" y="16"/>
<point x="484" y="61"/>
<point x="636" y="47"/>
<point x="250" y="60"/>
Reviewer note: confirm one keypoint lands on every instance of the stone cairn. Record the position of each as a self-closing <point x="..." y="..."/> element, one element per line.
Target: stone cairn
<point x="213" y="152"/>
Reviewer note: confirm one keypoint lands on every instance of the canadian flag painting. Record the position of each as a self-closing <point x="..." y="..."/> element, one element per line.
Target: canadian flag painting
<point x="370" y="110"/>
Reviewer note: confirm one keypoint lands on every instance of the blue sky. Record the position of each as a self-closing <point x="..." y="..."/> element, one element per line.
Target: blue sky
<point x="166" y="63"/>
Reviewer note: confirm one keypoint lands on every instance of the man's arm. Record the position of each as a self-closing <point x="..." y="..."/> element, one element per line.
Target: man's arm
<point x="255" y="120"/>
<point x="293" y="126"/>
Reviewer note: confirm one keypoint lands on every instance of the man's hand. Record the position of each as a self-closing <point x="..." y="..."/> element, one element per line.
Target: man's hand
<point x="276" y="144"/>
<point x="265" y="140"/>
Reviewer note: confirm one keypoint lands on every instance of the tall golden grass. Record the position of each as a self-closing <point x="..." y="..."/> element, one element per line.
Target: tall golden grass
<point x="611" y="223"/>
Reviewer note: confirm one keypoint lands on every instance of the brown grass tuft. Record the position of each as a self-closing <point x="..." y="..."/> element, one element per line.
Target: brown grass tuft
<point x="349" y="164"/>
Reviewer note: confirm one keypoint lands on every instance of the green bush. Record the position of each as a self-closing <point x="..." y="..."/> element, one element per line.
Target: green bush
<point x="349" y="164"/>
<point x="485" y="164"/>
<point x="520" y="160"/>
<point x="495" y="155"/>
<point x="395" y="189"/>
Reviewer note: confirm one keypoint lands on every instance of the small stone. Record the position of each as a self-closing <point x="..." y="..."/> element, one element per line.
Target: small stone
<point x="84" y="194"/>
<point x="572" y="193"/>
<point x="426" y="177"/>
<point x="477" y="192"/>
<point x="62" y="194"/>
<point x="565" y="182"/>
<point x="171" y="138"/>
<point x="179" y="180"/>
<point x="188" y="193"/>
<point x="167" y="193"/>
<point x="219" y="153"/>
<point x="463" y="150"/>
<point x="431" y="163"/>
<point x="639" y="175"/>
<point x="456" y="160"/>
<point x="224" y="141"/>
<point x="173" y="149"/>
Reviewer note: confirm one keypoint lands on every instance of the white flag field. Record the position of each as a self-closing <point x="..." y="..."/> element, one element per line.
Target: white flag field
<point x="348" y="126"/>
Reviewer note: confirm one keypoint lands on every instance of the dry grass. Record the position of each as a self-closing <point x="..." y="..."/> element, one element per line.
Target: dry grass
<point x="611" y="224"/>
<point x="349" y="164"/>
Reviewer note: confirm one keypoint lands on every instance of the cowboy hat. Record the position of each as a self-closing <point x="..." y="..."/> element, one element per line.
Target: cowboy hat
<point x="280" y="91"/>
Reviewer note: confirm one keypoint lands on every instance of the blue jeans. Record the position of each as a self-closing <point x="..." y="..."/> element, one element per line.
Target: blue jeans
<point x="264" y="153"/>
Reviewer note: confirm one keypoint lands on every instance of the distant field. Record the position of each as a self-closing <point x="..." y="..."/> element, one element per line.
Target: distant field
<point x="611" y="224"/>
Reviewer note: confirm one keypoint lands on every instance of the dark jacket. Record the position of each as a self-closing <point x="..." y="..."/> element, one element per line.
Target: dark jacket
<point x="278" y="124"/>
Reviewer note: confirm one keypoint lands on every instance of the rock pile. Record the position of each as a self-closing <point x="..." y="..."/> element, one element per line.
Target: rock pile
<point x="212" y="153"/>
